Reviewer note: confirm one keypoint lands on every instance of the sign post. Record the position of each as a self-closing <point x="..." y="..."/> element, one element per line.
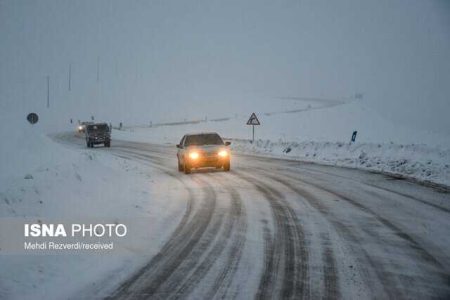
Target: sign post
<point x="354" y="136"/>
<point x="253" y="120"/>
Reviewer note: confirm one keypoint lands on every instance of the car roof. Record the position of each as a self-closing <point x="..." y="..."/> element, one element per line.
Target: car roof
<point x="96" y="124"/>
<point x="202" y="133"/>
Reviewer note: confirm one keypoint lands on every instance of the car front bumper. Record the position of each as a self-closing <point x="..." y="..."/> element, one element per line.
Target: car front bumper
<point x="208" y="161"/>
<point x="100" y="140"/>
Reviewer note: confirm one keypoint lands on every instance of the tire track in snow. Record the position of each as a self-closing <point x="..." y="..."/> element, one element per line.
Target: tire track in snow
<point x="180" y="286"/>
<point x="330" y="275"/>
<point x="397" y="231"/>
<point x="416" y="250"/>
<point x="387" y="278"/>
<point x="411" y="197"/>
<point x="225" y="237"/>
<point x="157" y="273"/>
<point x="344" y="231"/>
<point x="286" y="259"/>
<point x="237" y="213"/>
<point x="422" y="252"/>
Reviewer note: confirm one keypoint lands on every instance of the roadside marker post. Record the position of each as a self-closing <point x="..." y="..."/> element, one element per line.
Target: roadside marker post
<point x="354" y="136"/>
<point x="253" y="120"/>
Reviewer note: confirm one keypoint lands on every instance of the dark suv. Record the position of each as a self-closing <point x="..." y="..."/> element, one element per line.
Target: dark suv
<point x="203" y="150"/>
<point x="99" y="133"/>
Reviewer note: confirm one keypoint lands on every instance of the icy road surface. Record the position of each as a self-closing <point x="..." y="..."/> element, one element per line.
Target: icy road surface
<point x="276" y="229"/>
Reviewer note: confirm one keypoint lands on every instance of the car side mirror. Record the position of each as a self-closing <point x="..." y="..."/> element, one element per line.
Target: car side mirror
<point x="227" y="143"/>
<point x="179" y="146"/>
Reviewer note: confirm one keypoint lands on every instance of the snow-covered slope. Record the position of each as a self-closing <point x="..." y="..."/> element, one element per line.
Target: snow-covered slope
<point x="322" y="133"/>
<point x="42" y="180"/>
<point x="304" y="122"/>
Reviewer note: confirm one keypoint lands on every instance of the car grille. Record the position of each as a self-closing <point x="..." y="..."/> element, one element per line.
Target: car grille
<point x="210" y="154"/>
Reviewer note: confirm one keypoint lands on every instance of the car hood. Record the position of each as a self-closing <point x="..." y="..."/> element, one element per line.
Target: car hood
<point x="207" y="148"/>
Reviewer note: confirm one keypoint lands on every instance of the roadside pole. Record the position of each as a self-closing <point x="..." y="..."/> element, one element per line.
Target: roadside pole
<point x="253" y="134"/>
<point x="48" y="91"/>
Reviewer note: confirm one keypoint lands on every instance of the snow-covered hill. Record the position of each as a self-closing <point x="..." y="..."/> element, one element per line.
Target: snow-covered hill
<point x="322" y="133"/>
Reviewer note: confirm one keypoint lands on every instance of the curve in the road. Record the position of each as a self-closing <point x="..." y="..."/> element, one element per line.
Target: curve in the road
<point x="286" y="272"/>
<point x="173" y="273"/>
<point x="311" y="232"/>
<point x="389" y="281"/>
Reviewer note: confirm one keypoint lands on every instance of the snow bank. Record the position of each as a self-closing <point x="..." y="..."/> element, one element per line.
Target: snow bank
<point x="24" y="148"/>
<point x="414" y="161"/>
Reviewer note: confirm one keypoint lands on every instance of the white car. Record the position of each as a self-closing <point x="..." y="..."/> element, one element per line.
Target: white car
<point x="203" y="150"/>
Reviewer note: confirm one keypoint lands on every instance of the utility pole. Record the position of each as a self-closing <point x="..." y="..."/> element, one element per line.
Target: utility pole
<point x="70" y="75"/>
<point x="98" y="69"/>
<point x="48" y="91"/>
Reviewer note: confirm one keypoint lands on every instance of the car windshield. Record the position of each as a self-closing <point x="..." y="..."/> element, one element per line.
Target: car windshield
<point x="98" y="128"/>
<point x="203" y="139"/>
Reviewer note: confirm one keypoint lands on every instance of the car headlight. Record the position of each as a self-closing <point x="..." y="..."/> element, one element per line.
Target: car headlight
<point x="193" y="155"/>
<point x="80" y="128"/>
<point x="223" y="153"/>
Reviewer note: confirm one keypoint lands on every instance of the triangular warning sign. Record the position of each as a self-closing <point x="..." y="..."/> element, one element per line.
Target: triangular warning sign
<point x="253" y="120"/>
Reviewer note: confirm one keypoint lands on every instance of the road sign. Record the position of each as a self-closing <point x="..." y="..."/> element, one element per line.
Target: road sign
<point x="253" y="120"/>
<point x="32" y="118"/>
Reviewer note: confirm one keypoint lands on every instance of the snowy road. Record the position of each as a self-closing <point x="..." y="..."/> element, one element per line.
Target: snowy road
<point x="275" y="228"/>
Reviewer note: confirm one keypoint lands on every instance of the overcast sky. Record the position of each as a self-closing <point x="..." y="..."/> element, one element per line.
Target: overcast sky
<point x="164" y="60"/>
